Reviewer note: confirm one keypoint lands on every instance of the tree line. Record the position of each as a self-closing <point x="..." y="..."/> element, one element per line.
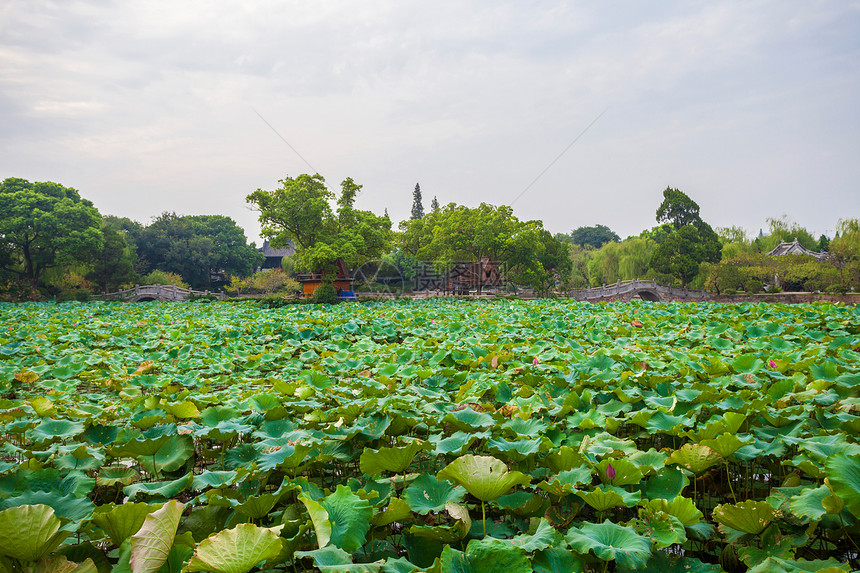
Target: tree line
<point x="56" y="243"/>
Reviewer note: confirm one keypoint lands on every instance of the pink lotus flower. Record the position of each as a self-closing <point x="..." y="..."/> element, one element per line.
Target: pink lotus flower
<point x="772" y="364"/>
<point x="535" y="361"/>
<point x="610" y="472"/>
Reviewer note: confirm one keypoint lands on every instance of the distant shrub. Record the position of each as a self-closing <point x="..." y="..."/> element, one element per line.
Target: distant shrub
<point x="754" y="286"/>
<point x="730" y="291"/>
<point x="158" y="277"/>
<point x="325" y="294"/>
<point x="836" y="289"/>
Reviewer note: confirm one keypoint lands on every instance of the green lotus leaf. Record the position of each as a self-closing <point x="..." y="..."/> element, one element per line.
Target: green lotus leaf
<point x="397" y="510"/>
<point x="285" y="457"/>
<point x="165" y="489"/>
<point x="810" y="503"/>
<point x="727" y="444"/>
<point x="112" y="475"/>
<point x="257" y="506"/>
<point x="564" y="459"/>
<point x="695" y="457"/>
<point x="122" y="521"/>
<point x="682" y="508"/>
<point x="747" y="364"/>
<point x="485" y="477"/>
<point x="395" y="459"/>
<point x="216" y="479"/>
<point x="78" y="458"/>
<point x="623" y="472"/>
<point x="565" y="482"/>
<point x="50" y="430"/>
<point x="523" y="503"/>
<point x="663" y="529"/>
<point x="611" y="542"/>
<point x="517" y="451"/>
<point x="171" y="455"/>
<point x="350" y="518"/>
<point x="779" y="565"/>
<point x="400" y="565"/>
<point x="319" y="519"/>
<point x="60" y="564"/>
<point x="236" y="550"/>
<point x="70" y="507"/>
<point x="335" y="560"/>
<point x="426" y="494"/>
<point x="748" y="516"/>
<point x="151" y="545"/>
<point x="606" y="497"/>
<point x="468" y="420"/>
<point x="140" y="446"/>
<point x="557" y="560"/>
<point x="544" y="536"/>
<point x="29" y="532"/>
<point x="667" y="483"/>
<point x="843" y="474"/>
<point x="648" y="462"/>
<point x="490" y="555"/>
<point x="241" y="456"/>
<point x="455" y="444"/>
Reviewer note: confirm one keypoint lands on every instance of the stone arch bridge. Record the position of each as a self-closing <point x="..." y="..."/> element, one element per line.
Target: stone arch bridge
<point x="645" y="290"/>
<point x="142" y="293"/>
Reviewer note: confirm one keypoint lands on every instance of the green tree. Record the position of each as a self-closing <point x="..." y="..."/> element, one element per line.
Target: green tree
<point x="434" y="204"/>
<point x="300" y="211"/>
<point x="595" y="236"/>
<point x="113" y="264"/>
<point x="677" y="208"/>
<point x="417" y="205"/>
<point x="691" y="243"/>
<point x="44" y="225"/>
<point x="202" y="249"/>
<point x="681" y="254"/>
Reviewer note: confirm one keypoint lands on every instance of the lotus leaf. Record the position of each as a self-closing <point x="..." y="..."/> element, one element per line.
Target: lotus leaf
<point x="427" y="494"/>
<point x="350" y="518"/>
<point x="485" y="477"/>
<point x="29" y="532"/>
<point x="395" y="459"/>
<point x="150" y="546"/>
<point x="695" y="457"/>
<point x="236" y="550"/>
<point x="557" y="560"/>
<point x="779" y="565"/>
<point x="611" y="542"/>
<point x="843" y="473"/>
<point x="544" y="536"/>
<point x="122" y="521"/>
<point x="663" y="529"/>
<point x="748" y="516"/>
<point x="397" y="510"/>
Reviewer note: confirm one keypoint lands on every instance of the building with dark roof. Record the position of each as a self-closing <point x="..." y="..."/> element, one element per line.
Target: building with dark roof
<point x="274" y="256"/>
<point x="795" y="248"/>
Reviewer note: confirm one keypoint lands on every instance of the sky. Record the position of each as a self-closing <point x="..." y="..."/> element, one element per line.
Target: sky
<point x="574" y="113"/>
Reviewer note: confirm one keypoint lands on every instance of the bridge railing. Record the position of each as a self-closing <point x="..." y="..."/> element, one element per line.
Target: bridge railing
<point x="625" y="287"/>
<point x="159" y="292"/>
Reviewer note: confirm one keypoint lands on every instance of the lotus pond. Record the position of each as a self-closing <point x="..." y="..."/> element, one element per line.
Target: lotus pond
<point x="439" y="435"/>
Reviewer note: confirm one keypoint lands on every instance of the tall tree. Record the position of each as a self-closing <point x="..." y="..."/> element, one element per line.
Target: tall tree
<point x="677" y="208"/>
<point x="691" y="243"/>
<point x="434" y="204"/>
<point x="43" y="225"/>
<point x="417" y="205"/>
<point x="596" y="236"/>
<point x="300" y="211"/>
<point x="113" y="264"/>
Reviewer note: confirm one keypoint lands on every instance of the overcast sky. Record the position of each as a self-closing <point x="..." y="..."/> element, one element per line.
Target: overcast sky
<point x="752" y="108"/>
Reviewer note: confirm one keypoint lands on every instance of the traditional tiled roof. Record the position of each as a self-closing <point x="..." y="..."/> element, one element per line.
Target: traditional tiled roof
<point x="268" y="251"/>
<point x="795" y="248"/>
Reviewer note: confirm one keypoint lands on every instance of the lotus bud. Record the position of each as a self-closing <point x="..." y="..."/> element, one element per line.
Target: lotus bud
<point x="610" y="472"/>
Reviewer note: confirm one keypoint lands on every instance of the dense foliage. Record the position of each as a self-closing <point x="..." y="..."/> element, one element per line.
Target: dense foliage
<point x="434" y="435"/>
<point x="300" y="211"/>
